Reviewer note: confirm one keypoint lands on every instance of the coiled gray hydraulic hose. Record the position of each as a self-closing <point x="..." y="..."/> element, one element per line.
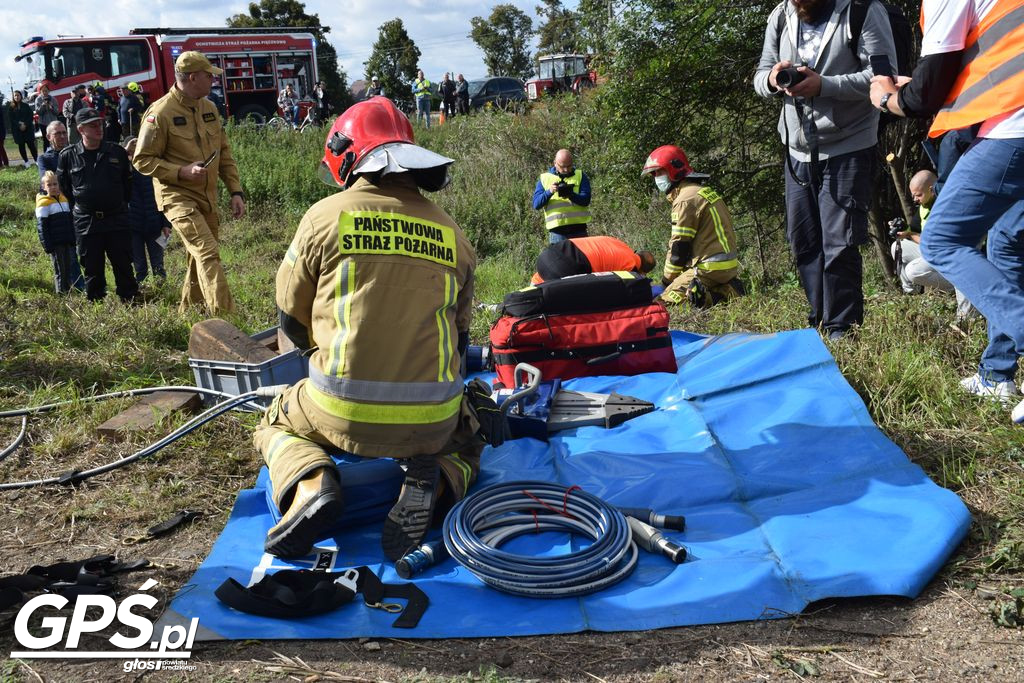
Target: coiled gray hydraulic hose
<point x="477" y="526"/>
<point x="75" y="476"/>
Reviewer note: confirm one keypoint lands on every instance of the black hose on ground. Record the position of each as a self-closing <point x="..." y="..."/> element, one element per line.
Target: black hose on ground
<point x="75" y="476"/>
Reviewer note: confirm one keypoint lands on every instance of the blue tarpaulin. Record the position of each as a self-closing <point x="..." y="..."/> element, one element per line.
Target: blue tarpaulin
<point x="791" y="494"/>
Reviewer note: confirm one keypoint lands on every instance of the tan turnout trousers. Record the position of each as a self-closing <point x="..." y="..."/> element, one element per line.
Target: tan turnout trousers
<point x="716" y="282"/>
<point x="294" y="425"/>
<point x="205" y="281"/>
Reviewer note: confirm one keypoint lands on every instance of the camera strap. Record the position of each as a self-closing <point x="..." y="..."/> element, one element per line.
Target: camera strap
<point x="804" y="114"/>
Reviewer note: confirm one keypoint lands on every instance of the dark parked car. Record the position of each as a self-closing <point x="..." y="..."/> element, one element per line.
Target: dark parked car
<point x="500" y="92"/>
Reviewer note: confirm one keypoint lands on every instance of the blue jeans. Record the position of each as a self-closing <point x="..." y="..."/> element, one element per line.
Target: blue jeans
<point x="999" y="361"/>
<point x="140" y="247"/>
<point x="985" y="194"/>
<point x="567" y="232"/>
<point x="66" y="271"/>
<point x="423" y="109"/>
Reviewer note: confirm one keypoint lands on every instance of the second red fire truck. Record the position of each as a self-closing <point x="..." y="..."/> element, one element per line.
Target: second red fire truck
<point x="258" y="63"/>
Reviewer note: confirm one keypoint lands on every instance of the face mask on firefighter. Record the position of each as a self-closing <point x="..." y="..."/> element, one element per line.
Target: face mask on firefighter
<point x="663" y="182"/>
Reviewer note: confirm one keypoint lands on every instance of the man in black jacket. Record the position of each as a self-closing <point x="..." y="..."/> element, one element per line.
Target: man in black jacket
<point x="447" y="90"/>
<point x="96" y="177"/>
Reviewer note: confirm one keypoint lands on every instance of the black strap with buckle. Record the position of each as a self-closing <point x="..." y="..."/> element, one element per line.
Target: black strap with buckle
<point x="70" y="579"/>
<point x="298" y="593"/>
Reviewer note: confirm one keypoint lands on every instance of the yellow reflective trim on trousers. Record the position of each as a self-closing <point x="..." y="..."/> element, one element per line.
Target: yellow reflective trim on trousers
<point x="718" y="265"/>
<point x="467" y="471"/>
<point x="282" y="439"/>
<point x="624" y="274"/>
<point x="720" y="229"/>
<point x="444" y="332"/>
<point x="385" y="413"/>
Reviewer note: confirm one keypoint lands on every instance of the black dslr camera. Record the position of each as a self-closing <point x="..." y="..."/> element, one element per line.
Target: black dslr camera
<point x="788" y="77"/>
<point x="896" y="226"/>
<point x="562" y="188"/>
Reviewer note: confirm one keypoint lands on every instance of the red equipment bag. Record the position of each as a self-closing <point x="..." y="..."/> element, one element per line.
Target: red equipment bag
<point x="624" y="341"/>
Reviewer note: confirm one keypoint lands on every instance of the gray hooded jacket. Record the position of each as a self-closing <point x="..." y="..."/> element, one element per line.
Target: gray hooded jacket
<point x="846" y="120"/>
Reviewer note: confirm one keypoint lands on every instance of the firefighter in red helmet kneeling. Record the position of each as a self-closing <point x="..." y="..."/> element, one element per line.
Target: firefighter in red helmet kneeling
<point x="378" y="282"/>
<point x="701" y="266"/>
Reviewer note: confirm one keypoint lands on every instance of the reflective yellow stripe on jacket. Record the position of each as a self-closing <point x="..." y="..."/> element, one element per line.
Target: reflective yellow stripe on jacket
<point x="334" y="388"/>
<point x="560" y="211"/>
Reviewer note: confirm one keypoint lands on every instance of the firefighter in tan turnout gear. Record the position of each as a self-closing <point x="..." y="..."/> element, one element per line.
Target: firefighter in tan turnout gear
<point x="184" y="148"/>
<point x="380" y="281"/>
<point x="701" y="264"/>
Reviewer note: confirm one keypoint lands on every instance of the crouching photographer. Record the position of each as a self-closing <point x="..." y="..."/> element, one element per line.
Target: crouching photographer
<point x="916" y="274"/>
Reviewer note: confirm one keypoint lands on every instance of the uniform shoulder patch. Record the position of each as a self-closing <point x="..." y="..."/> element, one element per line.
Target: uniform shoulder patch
<point x="150" y="119"/>
<point x="710" y="195"/>
<point x="209" y="116"/>
<point x="179" y="120"/>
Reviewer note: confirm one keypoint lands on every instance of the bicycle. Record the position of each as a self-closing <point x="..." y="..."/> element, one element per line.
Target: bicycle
<point x="308" y="125"/>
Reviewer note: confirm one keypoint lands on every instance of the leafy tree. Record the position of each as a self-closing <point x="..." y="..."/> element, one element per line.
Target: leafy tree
<point x="681" y="75"/>
<point x="393" y="61"/>
<point x="293" y="13"/>
<point x="594" y="19"/>
<point x="560" y="31"/>
<point x="504" y="38"/>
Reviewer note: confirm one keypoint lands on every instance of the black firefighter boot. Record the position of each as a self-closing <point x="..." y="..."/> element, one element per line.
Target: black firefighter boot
<point x="407" y="524"/>
<point x="316" y="505"/>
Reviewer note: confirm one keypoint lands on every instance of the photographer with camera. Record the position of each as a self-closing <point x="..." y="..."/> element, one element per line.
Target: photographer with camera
<point x="563" y="193"/>
<point x="830" y="130"/>
<point x="915" y="273"/>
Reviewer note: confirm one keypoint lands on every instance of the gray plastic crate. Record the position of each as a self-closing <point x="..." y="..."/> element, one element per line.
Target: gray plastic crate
<point x="238" y="378"/>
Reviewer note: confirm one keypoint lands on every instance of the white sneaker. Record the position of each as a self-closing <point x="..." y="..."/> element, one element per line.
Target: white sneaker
<point x="1017" y="414"/>
<point x="1004" y="391"/>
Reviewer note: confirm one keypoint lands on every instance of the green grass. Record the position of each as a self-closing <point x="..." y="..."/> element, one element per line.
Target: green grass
<point x="905" y="363"/>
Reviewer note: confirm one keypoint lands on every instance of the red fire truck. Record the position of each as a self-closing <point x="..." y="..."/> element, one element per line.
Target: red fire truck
<point x="258" y="63"/>
<point x="561" y="73"/>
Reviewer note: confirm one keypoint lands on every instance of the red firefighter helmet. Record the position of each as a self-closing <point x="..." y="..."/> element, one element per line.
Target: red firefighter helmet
<point x="371" y="136"/>
<point x="670" y="159"/>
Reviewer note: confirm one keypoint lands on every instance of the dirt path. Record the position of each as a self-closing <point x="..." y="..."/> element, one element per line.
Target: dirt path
<point x="944" y="635"/>
<point x="947" y="634"/>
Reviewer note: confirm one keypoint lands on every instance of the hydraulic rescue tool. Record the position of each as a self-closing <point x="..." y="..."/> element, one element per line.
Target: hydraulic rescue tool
<point x="536" y="408"/>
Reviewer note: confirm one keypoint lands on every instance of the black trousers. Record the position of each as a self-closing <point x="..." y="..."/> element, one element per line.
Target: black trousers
<point x="94" y="249"/>
<point x="826" y="222"/>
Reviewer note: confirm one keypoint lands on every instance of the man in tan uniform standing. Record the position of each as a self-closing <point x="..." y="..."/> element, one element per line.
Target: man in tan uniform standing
<point x="184" y="148"/>
<point x="701" y="264"/>
<point x="380" y="281"/>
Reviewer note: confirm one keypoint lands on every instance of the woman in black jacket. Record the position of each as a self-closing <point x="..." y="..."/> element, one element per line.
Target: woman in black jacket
<point x="3" y="134"/>
<point x="22" y="126"/>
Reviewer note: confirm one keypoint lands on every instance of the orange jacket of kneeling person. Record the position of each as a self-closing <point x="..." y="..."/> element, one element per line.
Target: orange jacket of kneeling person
<point x="582" y="255"/>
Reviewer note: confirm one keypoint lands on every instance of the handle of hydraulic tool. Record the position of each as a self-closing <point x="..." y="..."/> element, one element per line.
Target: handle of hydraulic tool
<point x="529" y="387"/>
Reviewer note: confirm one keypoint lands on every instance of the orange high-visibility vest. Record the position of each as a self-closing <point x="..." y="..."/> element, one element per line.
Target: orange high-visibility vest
<point x="991" y="79"/>
<point x="605" y="254"/>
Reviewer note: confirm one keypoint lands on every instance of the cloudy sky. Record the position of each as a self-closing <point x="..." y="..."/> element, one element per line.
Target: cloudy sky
<point x="439" y="27"/>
